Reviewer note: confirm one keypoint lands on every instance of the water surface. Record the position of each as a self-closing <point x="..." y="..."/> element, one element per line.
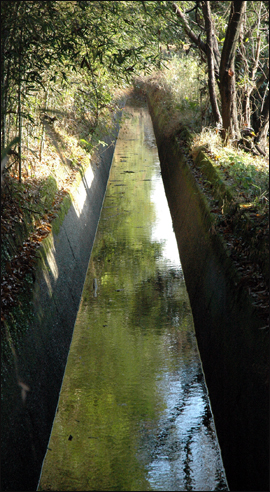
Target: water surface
<point x="134" y="412"/>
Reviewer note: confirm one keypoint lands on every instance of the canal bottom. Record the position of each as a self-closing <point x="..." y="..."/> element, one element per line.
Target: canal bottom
<point x="134" y="412"/>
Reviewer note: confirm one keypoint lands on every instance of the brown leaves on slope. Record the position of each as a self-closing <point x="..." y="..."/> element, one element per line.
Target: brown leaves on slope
<point x="21" y="259"/>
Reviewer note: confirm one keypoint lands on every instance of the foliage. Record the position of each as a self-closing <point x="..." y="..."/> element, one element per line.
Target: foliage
<point x="247" y="175"/>
<point x="183" y="82"/>
<point x="238" y="57"/>
<point x="48" y="46"/>
<point x="80" y="50"/>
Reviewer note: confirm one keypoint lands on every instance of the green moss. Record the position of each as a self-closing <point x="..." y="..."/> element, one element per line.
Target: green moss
<point x="48" y="189"/>
<point x="65" y="205"/>
<point x="220" y="190"/>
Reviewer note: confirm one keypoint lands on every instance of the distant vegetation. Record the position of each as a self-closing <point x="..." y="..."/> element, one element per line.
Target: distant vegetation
<point x="59" y="58"/>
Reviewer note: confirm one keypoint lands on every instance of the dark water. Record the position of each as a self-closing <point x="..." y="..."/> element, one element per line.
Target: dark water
<point x="134" y="412"/>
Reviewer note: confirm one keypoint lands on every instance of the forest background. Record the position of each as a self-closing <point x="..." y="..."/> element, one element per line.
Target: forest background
<point x="65" y="67"/>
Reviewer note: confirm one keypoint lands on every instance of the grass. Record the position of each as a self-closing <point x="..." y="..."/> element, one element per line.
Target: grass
<point x="246" y="175"/>
<point x="183" y="82"/>
<point x="184" y="94"/>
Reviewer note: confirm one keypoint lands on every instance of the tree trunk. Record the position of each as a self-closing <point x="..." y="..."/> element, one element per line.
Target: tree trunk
<point x="7" y="34"/>
<point x="250" y="73"/>
<point x="211" y="62"/>
<point x="43" y="127"/>
<point x="20" y="107"/>
<point x="227" y="73"/>
<point x="264" y="127"/>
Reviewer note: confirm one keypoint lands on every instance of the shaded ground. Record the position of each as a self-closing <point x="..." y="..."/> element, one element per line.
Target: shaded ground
<point x="25" y="221"/>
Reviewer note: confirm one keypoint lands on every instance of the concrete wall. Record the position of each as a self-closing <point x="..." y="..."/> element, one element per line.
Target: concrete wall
<point x="64" y="257"/>
<point x="233" y="348"/>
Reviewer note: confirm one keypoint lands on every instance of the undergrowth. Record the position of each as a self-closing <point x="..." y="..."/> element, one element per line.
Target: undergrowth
<point x="183" y="83"/>
<point x="247" y="175"/>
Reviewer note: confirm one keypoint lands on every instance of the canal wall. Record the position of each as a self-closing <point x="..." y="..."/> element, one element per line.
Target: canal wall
<point x="32" y="378"/>
<point x="232" y="345"/>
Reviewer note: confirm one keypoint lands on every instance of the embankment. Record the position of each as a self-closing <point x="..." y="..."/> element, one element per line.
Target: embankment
<point x="232" y="345"/>
<point x="36" y="371"/>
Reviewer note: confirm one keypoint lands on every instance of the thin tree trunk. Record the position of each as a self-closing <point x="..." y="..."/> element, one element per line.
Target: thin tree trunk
<point x="227" y="72"/>
<point x="6" y="45"/>
<point x="252" y="85"/>
<point x="4" y="98"/>
<point x="196" y="39"/>
<point x="250" y="75"/>
<point x="211" y="63"/>
<point x="43" y="130"/>
<point x="20" y="109"/>
<point x="264" y="127"/>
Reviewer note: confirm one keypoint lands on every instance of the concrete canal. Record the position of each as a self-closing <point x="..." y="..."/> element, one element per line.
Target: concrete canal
<point x="134" y="412"/>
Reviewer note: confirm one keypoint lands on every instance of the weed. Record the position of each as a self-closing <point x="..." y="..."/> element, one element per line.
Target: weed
<point x="247" y="175"/>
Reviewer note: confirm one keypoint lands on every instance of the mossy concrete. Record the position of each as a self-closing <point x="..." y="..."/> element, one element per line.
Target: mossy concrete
<point x="232" y="344"/>
<point x="220" y="190"/>
<point x="37" y="369"/>
<point x="228" y="199"/>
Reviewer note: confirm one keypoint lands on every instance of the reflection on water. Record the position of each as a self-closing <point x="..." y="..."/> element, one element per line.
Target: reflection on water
<point x="134" y="412"/>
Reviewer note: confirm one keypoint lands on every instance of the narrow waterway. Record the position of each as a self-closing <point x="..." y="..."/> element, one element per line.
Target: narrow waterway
<point x="134" y="412"/>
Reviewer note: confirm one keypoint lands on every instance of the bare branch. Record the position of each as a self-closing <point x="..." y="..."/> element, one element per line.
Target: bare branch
<point x="191" y="34"/>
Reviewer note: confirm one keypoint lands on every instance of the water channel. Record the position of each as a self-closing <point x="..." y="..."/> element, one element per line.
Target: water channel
<point x="134" y="412"/>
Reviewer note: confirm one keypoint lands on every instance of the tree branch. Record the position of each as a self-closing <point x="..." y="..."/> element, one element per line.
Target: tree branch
<point x="191" y="34"/>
